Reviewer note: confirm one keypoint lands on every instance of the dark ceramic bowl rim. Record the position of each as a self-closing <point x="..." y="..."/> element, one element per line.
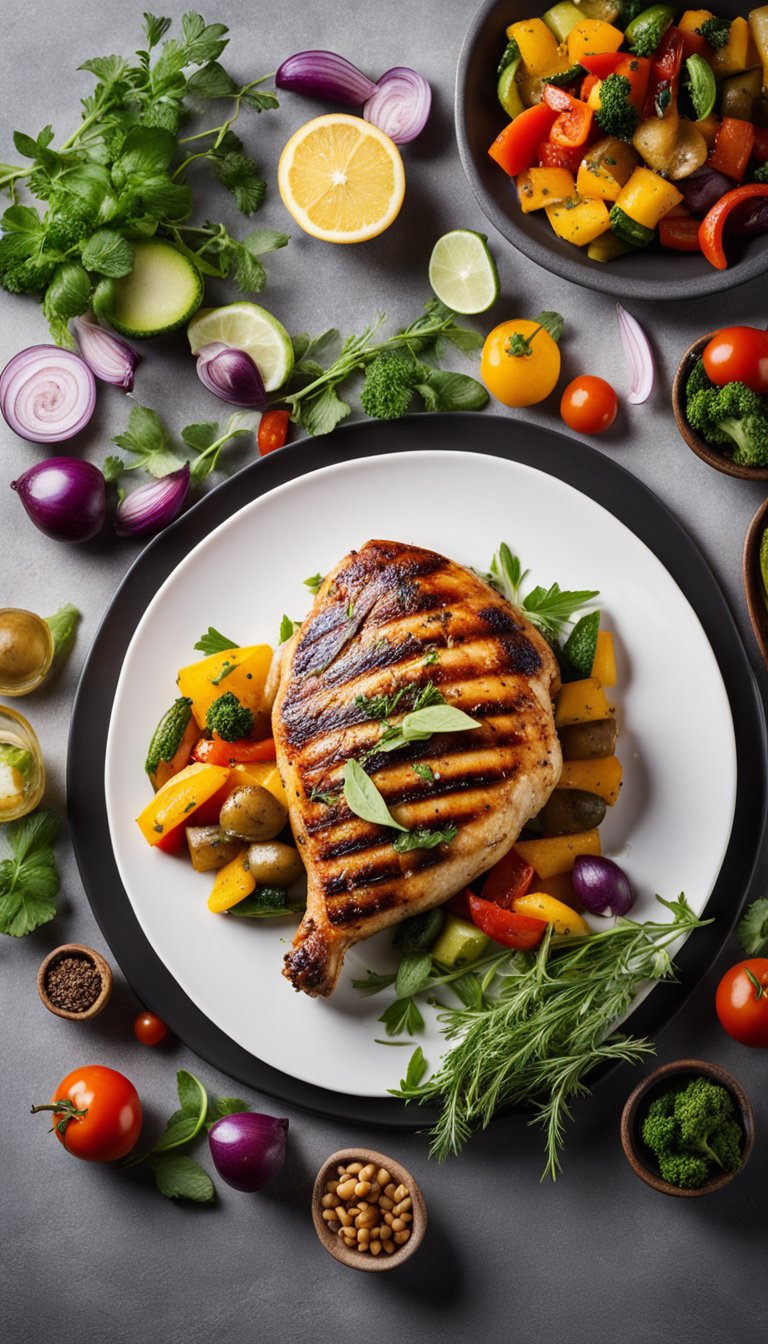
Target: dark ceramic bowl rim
<point x="638" y="1155"/>
<point x="752" y="579"/>
<point x="696" y="443"/>
<point x="596" y="276"/>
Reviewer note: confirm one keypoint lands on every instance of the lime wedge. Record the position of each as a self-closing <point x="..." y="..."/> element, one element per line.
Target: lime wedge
<point x="246" y="326"/>
<point x="462" y="272"/>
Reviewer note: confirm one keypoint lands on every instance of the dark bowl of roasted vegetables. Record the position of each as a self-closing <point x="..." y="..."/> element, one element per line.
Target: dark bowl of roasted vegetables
<point x="688" y="1128"/>
<point x="619" y="144"/>
<point x="720" y="401"/>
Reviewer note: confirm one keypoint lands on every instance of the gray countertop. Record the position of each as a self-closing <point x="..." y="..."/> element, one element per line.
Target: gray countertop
<point x="92" y="1255"/>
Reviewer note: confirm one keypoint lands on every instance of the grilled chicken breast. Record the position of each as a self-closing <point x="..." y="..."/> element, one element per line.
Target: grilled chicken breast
<point x="389" y="618"/>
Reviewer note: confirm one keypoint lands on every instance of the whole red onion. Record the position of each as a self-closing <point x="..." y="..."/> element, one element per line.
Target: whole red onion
<point x="65" y="497"/>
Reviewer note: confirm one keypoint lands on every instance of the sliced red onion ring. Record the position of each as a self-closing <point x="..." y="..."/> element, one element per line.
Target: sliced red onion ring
<point x="110" y="358"/>
<point x="152" y="507"/>
<point x="400" y="105"/>
<point x="639" y="355"/>
<point x="231" y="375"/>
<point x="65" y="498"/>
<point x="47" y="394"/>
<point x="324" y="74"/>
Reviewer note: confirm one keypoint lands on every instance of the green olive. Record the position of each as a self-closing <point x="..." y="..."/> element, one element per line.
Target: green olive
<point x="26" y="650"/>
<point x="251" y="812"/>
<point x="210" y="848"/>
<point x="274" y="864"/>
<point x="589" y="741"/>
<point x="570" y="811"/>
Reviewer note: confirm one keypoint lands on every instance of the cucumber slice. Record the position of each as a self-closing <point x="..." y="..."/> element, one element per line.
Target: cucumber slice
<point x="418" y="932"/>
<point x="561" y="18"/>
<point x="508" y="92"/>
<point x="628" y="229"/>
<point x="564" y="77"/>
<point x="161" y="293"/>
<point x="580" y="648"/>
<point x="459" y="944"/>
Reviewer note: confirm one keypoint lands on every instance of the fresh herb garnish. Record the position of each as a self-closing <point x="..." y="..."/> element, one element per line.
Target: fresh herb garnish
<point x="267" y="903"/>
<point x="214" y="642"/>
<point x="752" y="929"/>
<point x="424" y="771"/>
<point x="287" y="628"/>
<point x="323" y="796"/>
<point x="548" y="1028"/>
<point x="423" y="838"/>
<point x="153" y="450"/>
<point x="432" y="656"/>
<point x="414" y="697"/>
<point x="121" y="175"/>
<point x="363" y="798"/>
<point x="63" y="626"/>
<point x="314" y="583"/>
<point x="550" y="609"/>
<point x="421" y="724"/>
<point x="29" y="879"/>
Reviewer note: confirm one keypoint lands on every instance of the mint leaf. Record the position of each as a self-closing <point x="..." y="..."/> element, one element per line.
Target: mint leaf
<point x="179" y="1177"/>
<point x="193" y="1097"/>
<point x="287" y="628"/>
<point x="29" y="880"/>
<point x="211" y="81"/>
<point x="752" y="929"/>
<point x="314" y="583"/>
<point x="402" y="1016"/>
<point x="417" y="1067"/>
<point x="441" y="390"/>
<point x="221" y="1106"/>
<point x="108" y="253"/>
<point x="213" y="642"/>
<point x="363" y="798"/>
<point x="412" y="974"/>
<point x="147" y="438"/>
<point x="422" y="838"/>
<point x="63" y="625"/>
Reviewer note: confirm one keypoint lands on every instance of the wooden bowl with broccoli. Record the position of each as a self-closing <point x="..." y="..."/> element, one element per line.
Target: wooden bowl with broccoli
<point x="733" y="418"/>
<point x="688" y="1128"/>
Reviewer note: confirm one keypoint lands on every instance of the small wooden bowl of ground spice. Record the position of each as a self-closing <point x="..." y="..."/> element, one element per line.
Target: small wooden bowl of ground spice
<point x="368" y="1211"/>
<point x="74" y="982"/>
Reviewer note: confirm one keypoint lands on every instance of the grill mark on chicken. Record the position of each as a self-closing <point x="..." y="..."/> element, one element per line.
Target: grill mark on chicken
<point x="376" y="617"/>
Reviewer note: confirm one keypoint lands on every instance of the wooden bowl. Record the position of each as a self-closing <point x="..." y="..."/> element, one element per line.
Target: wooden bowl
<point x="642" y="1160"/>
<point x="335" y="1245"/>
<point x="712" y="456"/>
<point x="754" y="587"/>
<point x="102" y="966"/>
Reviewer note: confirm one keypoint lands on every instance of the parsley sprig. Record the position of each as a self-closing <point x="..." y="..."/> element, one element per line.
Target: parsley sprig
<point x="29" y="879"/>
<point x="152" y="449"/>
<point x="550" y="609"/>
<point x="122" y="175"/>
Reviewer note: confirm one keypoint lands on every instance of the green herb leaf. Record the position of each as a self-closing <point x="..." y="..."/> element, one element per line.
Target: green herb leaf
<point x="445" y="391"/>
<point x="417" y="1067"/>
<point x="553" y="323"/>
<point x="112" y="468"/>
<point x="242" y="177"/>
<point x="108" y="253"/>
<point x="424" y="771"/>
<point x="193" y="1097"/>
<point x="314" y="583"/>
<point x="436" y="719"/>
<point x="267" y="903"/>
<point x="551" y="608"/>
<point x="179" y="1177"/>
<point x="324" y="412"/>
<point x="752" y="930"/>
<point x="211" y="81"/>
<point x="218" y="1107"/>
<point x="412" y="974"/>
<point x="214" y="642"/>
<point x="402" y="1016"/>
<point x="580" y="647"/>
<point x="29" y="880"/>
<point x="373" y="983"/>
<point x="423" y="838"/>
<point x="63" y="625"/>
<point x="147" y="438"/>
<point x="287" y="628"/>
<point x="363" y="798"/>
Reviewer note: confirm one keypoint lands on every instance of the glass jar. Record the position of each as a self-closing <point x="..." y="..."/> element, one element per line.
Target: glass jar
<point x="22" y="773"/>
<point x="26" y="651"/>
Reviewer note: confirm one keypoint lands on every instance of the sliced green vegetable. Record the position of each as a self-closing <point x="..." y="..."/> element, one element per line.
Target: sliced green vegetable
<point x="701" y="86"/>
<point x="459" y="944"/>
<point x="561" y="18"/>
<point x="507" y="90"/>
<point x="628" y="230"/>
<point x="267" y="903"/>
<point x="764" y="564"/>
<point x="580" y="648"/>
<point x="161" y="293"/>
<point x="564" y="77"/>
<point x="645" y="32"/>
<point x="420" y="931"/>
<point x="608" y="247"/>
<point x="168" y="734"/>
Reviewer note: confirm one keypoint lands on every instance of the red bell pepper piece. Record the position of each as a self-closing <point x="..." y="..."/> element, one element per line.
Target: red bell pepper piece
<point x="560" y="156"/>
<point x="215" y="751"/>
<point x="637" y="69"/>
<point x="733" y="147"/>
<point x="760" y="147"/>
<point x="603" y="63"/>
<point x="506" y="880"/>
<point x="504" y="926"/>
<point x="664" y="74"/>
<point x="712" y="226"/>
<point x="680" y="232"/>
<point x="515" y="148"/>
<point x="693" y="44"/>
<point x="574" y="120"/>
<point x="459" y="904"/>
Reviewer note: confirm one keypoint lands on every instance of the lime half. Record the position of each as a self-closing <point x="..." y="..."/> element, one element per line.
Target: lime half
<point x="462" y="272"/>
<point x="246" y="326"/>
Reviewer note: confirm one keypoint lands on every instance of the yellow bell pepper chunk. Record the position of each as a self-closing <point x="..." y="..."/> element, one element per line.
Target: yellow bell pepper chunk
<point x="605" y="168"/>
<point x="233" y="883"/>
<point x="647" y="197"/>
<point x="539" y="51"/>
<point x="542" y="906"/>
<point x="264" y="773"/>
<point x="539" y="187"/>
<point x="734" y="56"/>
<point x="179" y="798"/>
<point x="581" y="702"/>
<point x="242" y="671"/>
<point x="592" y="37"/>
<point x="693" y="19"/>
<point x="602" y="777"/>
<point x="604" y="665"/>
<point x="579" y="221"/>
<point x="558" y="853"/>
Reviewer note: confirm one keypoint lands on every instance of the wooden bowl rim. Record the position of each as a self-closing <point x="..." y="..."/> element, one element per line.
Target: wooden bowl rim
<point x="335" y="1246"/>
<point x="750" y="564"/>
<point x="699" y="446"/>
<point x="631" y="1146"/>
<point x="103" y="967"/>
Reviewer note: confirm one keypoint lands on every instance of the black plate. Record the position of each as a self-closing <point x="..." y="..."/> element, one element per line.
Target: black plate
<point x="610" y="485"/>
<point x="652" y="273"/>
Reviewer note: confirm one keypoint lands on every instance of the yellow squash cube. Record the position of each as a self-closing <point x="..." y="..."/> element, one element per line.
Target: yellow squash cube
<point x="579" y="221"/>
<point x="539" y="187"/>
<point x="647" y="197"/>
<point x="540" y="905"/>
<point x="558" y="853"/>
<point x="581" y="702"/>
<point x="604" y="665"/>
<point x="602" y="777"/>
<point x="179" y="798"/>
<point x="592" y="37"/>
<point x="242" y="671"/>
<point x="232" y="884"/>
<point x="539" y="51"/>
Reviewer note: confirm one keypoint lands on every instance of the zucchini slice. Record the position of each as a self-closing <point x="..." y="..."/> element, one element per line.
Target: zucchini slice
<point x="161" y="293"/>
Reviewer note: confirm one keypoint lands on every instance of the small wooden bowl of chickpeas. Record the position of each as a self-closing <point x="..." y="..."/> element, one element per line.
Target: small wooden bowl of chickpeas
<point x="368" y="1211"/>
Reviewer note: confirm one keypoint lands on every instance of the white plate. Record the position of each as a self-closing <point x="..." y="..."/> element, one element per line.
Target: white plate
<point x="670" y="828"/>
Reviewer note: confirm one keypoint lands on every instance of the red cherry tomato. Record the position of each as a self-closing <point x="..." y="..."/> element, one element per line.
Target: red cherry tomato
<point x="738" y="355"/>
<point x="589" y="404"/>
<point x="96" y="1113"/>
<point x="149" y="1029"/>
<point x="741" y="1001"/>
<point x="273" y="431"/>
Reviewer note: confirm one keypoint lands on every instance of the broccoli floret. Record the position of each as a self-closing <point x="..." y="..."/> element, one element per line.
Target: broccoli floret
<point x="726" y="1145"/>
<point x="697" y="380"/>
<point x="692" y="1131"/>
<point x="732" y="417"/>
<point x="716" y="31"/>
<point x="229" y="718"/>
<point x="761" y="173"/>
<point x="388" y="388"/>
<point x="684" y="1170"/>
<point x="616" y="115"/>
<point x="648" y="29"/>
<point x="700" y="1109"/>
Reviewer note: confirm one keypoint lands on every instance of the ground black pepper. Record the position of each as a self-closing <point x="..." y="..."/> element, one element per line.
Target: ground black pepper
<point x="73" y="983"/>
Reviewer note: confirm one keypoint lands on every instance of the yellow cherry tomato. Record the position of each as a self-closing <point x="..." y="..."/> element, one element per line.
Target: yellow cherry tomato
<point x="524" y="378"/>
<point x="541" y="906"/>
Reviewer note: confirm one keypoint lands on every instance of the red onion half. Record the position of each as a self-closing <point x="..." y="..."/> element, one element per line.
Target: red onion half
<point x="153" y="506"/>
<point x="601" y="885"/>
<point x="112" y="360"/>
<point x="47" y="394"/>
<point x="65" y="497"/>
<point x="324" y="74"/>
<point x="231" y="375"/>
<point x="248" y="1149"/>
<point x="401" y="105"/>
